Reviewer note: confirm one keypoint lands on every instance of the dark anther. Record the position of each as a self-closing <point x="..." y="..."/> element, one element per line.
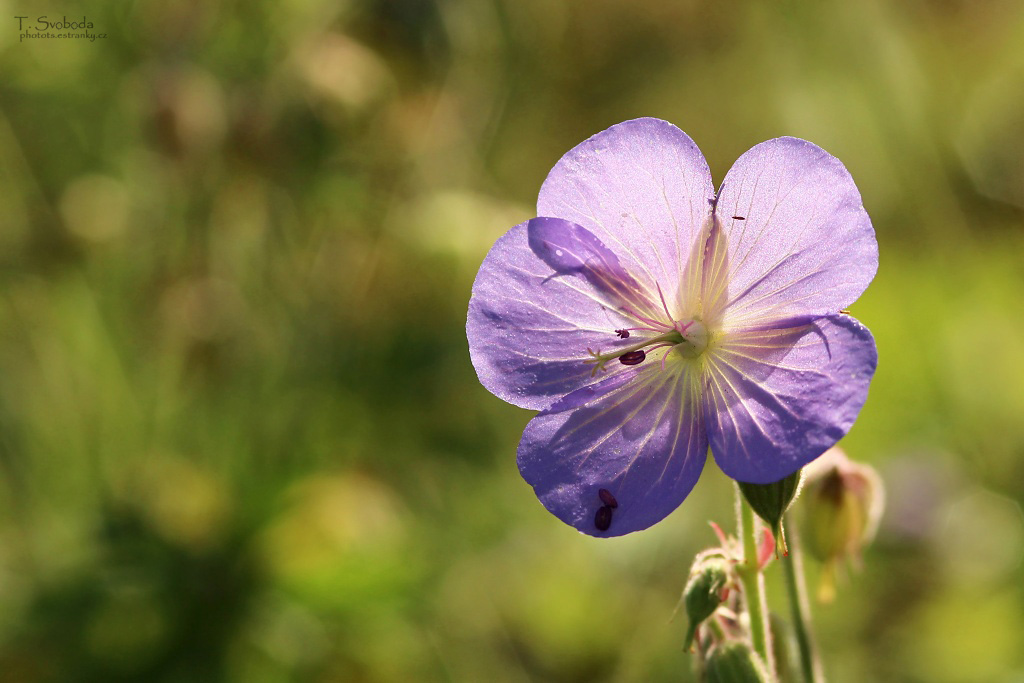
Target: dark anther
<point x="607" y="498"/>
<point x="603" y="518"/>
<point x="738" y="218"/>
<point x="622" y="333"/>
<point x="633" y="357"/>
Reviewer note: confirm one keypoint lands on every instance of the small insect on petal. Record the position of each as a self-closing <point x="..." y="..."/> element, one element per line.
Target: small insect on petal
<point x="607" y="498"/>
<point x="623" y="334"/>
<point x="603" y="518"/>
<point x="739" y="218"/>
<point x="633" y="357"/>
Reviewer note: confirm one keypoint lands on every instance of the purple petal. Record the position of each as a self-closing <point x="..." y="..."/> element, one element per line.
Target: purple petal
<point x="529" y="331"/>
<point x="643" y="441"/>
<point x="643" y="189"/>
<point x="799" y="239"/>
<point x="572" y="250"/>
<point x="592" y="392"/>
<point x="776" y="399"/>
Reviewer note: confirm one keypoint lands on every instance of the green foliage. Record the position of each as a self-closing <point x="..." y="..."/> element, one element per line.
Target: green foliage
<point x="240" y="436"/>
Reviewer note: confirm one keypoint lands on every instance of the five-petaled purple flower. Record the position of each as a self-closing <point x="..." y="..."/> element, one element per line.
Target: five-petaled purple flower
<point x="648" y="317"/>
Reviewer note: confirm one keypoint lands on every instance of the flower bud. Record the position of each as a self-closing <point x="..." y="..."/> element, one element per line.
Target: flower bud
<point x="704" y="592"/>
<point x="843" y="502"/>
<point x="735" y="662"/>
<point x="770" y="502"/>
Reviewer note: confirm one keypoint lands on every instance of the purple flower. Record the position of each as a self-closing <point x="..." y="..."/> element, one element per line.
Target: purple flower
<point x="647" y="318"/>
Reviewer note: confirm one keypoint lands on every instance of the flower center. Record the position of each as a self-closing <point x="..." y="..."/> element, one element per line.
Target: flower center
<point x="695" y="339"/>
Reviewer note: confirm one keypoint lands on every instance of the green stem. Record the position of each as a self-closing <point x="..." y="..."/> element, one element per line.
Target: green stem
<point x="801" y="611"/>
<point x="753" y="585"/>
<point x="716" y="628"/>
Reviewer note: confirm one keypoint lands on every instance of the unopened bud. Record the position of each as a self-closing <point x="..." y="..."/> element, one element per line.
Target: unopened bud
<point x="735" y="662"/>
<point x="770" y="502"/>
<point x="704" y="592"/>
<point x="843" y="502"/>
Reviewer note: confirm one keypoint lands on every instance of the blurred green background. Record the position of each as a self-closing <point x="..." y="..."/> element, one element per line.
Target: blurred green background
<point x="240" y="435"/>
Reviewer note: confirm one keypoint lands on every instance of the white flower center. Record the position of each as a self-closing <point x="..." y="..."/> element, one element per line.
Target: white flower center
<point x="695" y="339"/>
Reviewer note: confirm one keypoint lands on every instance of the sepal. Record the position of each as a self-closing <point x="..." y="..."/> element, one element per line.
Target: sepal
<point x="770" y="502"/>
<point x="735" y="662"/>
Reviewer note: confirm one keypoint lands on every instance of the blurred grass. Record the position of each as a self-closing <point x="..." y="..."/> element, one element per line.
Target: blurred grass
<point x="240" y="437"/>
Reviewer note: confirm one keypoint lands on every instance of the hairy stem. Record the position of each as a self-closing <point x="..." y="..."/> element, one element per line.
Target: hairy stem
<point x="753" y="585"/>
<point x="799" y="606"/>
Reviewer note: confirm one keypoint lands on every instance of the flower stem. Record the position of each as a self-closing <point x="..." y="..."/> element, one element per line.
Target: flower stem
<point x="753" y="584"/>
<point x="799" y="606"/>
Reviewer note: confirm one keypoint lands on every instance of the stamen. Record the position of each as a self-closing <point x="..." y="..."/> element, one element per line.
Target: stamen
<point x="649" y="329"/>
<point x="658" y="325"/>
<point x="607" y="498"/>
<point x="660" y="346"/>
<point x="634" y="353"/>
<point x="633" y="357"/>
